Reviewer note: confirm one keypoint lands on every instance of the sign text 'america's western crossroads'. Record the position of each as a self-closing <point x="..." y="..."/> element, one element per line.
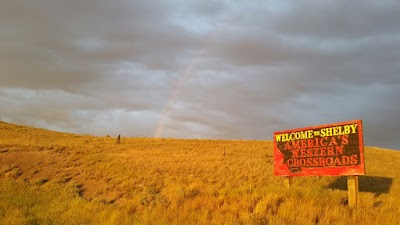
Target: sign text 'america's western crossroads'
<point x="331" y="149"/>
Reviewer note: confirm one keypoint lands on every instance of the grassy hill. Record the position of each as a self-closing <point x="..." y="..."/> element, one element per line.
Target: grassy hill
<point x="49" y="177"/>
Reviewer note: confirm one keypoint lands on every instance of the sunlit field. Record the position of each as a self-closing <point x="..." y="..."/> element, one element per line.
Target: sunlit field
<point x="49" y="177"/>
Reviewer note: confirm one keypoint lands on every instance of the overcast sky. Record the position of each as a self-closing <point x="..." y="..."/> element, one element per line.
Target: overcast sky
<point x="201" y="69"/>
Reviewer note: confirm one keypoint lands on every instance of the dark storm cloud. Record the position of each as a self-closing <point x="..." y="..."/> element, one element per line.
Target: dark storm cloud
<point x="208" y="69"/>
<point x="69" y="43"/>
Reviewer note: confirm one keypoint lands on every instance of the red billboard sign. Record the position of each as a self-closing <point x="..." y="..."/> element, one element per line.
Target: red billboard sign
<point x="331" y="150"/>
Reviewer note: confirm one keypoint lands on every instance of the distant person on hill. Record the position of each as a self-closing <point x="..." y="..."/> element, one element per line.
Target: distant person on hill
<point x="118" y="139"/>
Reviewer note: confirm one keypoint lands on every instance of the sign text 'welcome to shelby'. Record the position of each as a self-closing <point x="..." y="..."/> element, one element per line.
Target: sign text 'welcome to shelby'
<point x="332" y="149"/>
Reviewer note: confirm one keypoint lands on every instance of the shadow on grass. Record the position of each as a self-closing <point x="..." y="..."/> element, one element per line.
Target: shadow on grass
<point x="377" y="185"/>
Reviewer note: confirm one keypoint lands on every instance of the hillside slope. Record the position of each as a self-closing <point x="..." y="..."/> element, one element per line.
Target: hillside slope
<point x="92" y="180"/>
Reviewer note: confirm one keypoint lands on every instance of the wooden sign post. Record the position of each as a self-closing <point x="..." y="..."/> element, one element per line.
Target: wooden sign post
<point x="352" y="188"/>
<point x="325" y="150"/>
<point x="288" y="181"/>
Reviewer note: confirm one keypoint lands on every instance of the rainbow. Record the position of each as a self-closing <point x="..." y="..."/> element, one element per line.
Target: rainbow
<point x="173" y="98"/>
<point x="177" y="89"/>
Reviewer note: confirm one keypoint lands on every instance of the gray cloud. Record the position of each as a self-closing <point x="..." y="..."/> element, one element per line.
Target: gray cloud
<point x="201" y="69"/>
<point x="339" y="19"/>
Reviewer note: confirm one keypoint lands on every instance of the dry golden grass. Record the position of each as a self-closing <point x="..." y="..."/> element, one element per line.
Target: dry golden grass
<point x="49" y="177"/>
